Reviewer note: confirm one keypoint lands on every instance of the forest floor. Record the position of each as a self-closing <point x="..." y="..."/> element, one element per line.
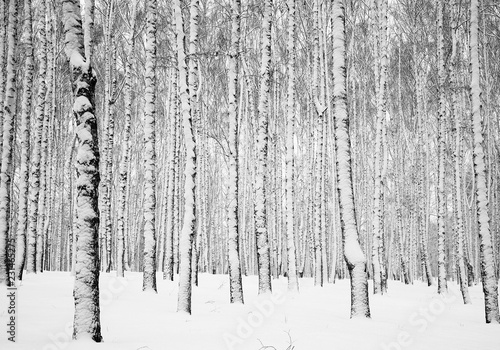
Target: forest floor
<point x="407" y="317"/>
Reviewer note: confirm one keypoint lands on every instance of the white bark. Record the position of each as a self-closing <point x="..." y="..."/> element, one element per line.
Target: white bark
<point x="86" y="289"/>
<point x="293" y="284"/>
<point x="188" y="227"/>
<point x="25" y="141"/>
<point x="355" y="259"/>
<point x="124" y="163"/>
<point x="261" y="226"/>
<point x="236" y="289"/>
<point x="149" y="231"/>
<point x="490" y="283"/>
<point x="34" y="178"/>
<point x="9" y="110"/>
<point x="441" y="202"/>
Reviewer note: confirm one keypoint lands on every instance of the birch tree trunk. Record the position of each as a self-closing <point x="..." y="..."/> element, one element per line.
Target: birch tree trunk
<point x="260" y="216"/>
<point x="441" y="200"/>
<point x="29" y="68"/>
<point x="293" y="284"/>
<point x="490" y="284"/>
<point x="34" y="177"/>
<point x="168" y="261"/>
<point x="188" y="227"/>
<point x="9" y="111"/>
<point x="149" y="231"/>
<point x="456" y="113"/>
<point x="379" y="275"/>
<point x="235" y="287"/>
<point x="195" y="115"/>
<point x="86" y="289"/>
<point x="318" y="195"/>
<point x="124" y="163"/>
<point x="354" y="257"/>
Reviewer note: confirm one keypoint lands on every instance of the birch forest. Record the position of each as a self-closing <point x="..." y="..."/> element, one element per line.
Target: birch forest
<point x="351" y="146"/>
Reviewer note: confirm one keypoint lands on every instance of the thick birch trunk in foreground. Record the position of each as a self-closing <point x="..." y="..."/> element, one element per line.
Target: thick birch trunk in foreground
<point x="441" y="199"/>
<point x="86" y="290"/>
<point x="235" y="287"/>
<point x="188" y="227"/>
<point x="490" y="283"/>
<point x="293" y="284"/>
<point x="9" y="111"/>
<point x="29" y="68"/>
<point x="34" y="178"/>
<point x="261" y="227"/>
<point x="354" y="257"/>
<point x="149" y="276"/>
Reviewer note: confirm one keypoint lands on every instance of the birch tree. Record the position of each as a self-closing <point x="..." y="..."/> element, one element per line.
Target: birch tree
<point x="188" y="226"/>
<point x="354" y="257"/>
<point x="293" y="284"/>
<point x="9" y="113"/>
<point x="379" y="276"/>
<point x="29" y="68"/>
<point x="149" y="276"/>
<point x="442" y="288"/>
<point x="236" y="289"/>
<point x="125" y="159"/>
<point x="34" y="177"/>
<point x="86" y="290"/>
<point x="261" y="227"/>
<point x="490" y="283"/>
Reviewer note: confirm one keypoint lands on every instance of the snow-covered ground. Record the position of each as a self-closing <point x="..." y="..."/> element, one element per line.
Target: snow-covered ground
<point x="408" y="317"/>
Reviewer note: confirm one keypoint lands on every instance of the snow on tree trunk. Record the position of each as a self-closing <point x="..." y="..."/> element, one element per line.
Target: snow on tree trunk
<point x="441" y="199"/>
<point x="188" y="226"/>
<point x="86" y="289"/>
<point x="260" y="215"/>
<point x="354" y="257"/>
<point x="490" y="283"/>
<point x="34" y="177"/>
<point x="124" y="163"/>
<point x="235" y="287"/>
<point x="29" y="68"/>
<point x="293" y="284"/>
<point x="9" y="112"/>
<point x="149" y="276"/>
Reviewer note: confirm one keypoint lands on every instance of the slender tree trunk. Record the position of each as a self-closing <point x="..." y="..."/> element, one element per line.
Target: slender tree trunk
<point x="29" y="68"/>
<point x="34" y="178"/>
<point x="123" y="168"/>
<point x="236" y="289"/>
<point x="188" y="228"/>
<point x="7" y="245"/>
<point x="293" y="284"/>
<point x="260" y="216"/>
<point x="168" y="261"/>
<point x="441" y="201"/>
<point x="490" y="284"/>
<point x="354" y="257"/>
<point x="149" y="276"/>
